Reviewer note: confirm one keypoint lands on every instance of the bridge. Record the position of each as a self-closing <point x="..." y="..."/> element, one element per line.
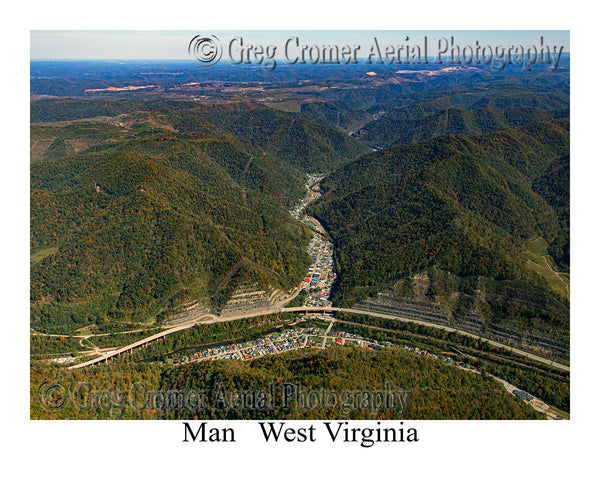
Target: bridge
<point x="278" y="309"/>
<point x="129" y="348"/>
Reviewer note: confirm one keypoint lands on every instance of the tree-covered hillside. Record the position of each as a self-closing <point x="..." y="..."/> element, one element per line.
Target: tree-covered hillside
<point x="435" y="390"/>
<point x="130" y="218"/>
<point x="457" y="204"/>
<point x="427" y="388"/>
<point x="307" y="146"/>
<point x="396" y="129"/>
<point x="128" y="230"/>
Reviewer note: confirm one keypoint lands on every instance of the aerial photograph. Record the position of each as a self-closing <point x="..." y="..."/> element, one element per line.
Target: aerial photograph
<point x="311" y="225"/>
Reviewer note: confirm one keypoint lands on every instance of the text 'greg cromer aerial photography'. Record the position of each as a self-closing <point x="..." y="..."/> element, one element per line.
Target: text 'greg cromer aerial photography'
<point x="300" y="226"/>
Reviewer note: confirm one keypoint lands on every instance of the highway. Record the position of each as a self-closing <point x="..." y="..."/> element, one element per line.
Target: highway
<point x="279" y="309"/>
<point x="432" y="325"/>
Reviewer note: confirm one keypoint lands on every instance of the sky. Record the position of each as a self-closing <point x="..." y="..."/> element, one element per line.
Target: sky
<point x="172" y="45"/>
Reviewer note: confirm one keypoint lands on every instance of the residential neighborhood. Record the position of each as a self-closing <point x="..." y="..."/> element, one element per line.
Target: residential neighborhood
<point x="294" y="339"/>
<point x="320" y="276"/>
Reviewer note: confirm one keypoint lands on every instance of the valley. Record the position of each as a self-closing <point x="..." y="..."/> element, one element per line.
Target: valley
<point x="262" y="224"/>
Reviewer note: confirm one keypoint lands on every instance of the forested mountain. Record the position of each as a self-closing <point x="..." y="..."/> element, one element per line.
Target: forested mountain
<point x="303" y="144"/>
<point x="335" y="114"/>
<point x="131" y="229"/>
<point x="130" y="218"/>
<point x="554" y="187"/>
<point x="494" y="94"/>
<point x="290" y="136"/>
<point x="395" y="128"/>
<point x="457" y="204"/>
<point x="349" y="369"/>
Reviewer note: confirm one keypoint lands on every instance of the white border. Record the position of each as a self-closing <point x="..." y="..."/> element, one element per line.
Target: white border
<point x="154" y="449"/>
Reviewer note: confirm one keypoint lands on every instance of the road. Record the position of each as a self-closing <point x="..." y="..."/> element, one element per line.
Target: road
<point x="88" y="335"/>
<point x="278" y="309"/>
<point x="434" y="325"/>
<point x="204" y="319"/>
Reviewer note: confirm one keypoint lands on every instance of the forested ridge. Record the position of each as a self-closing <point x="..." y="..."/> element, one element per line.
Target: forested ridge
<point x="291" y="137"/>
<point x="396" y="129"/>
<point x="303" y="144"/>
<point x="137" y="218"/>
<point x="435" y="390"/>
<point x="494" y="94"/>
<point x="461" y="204"/>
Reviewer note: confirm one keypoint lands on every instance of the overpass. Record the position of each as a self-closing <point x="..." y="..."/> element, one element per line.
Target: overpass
<point x="278" y="309"/>
<point x="129" y="348"/>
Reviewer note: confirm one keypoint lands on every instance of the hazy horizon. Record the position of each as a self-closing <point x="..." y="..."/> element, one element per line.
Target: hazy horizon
<point x="173" y="45"/>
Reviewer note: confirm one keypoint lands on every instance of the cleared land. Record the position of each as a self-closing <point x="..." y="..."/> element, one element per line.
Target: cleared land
<point x="38" y="256"/>
<point x="540" y="262"/>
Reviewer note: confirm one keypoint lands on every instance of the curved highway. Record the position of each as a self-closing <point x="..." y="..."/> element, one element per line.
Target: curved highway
<point x="279" y="309"/>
